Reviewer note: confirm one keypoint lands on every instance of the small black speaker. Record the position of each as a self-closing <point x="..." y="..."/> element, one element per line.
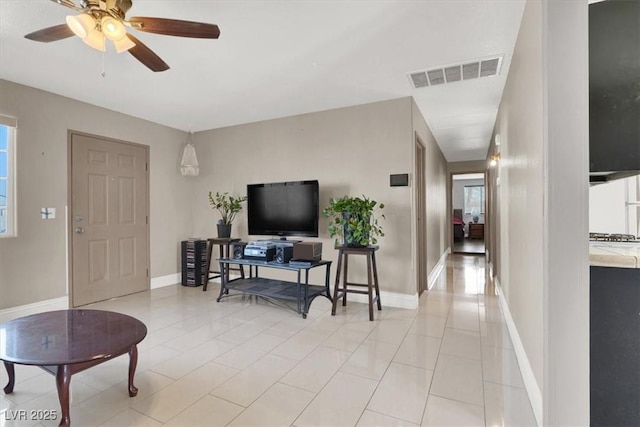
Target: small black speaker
<point x="238" y="250"/>
<point x="284" y="254"/>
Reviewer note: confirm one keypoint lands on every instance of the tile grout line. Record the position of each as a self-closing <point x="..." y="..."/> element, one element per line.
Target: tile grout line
<point x="435" y="366"/>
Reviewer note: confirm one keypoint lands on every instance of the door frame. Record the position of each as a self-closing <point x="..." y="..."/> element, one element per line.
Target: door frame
<point x="487" y="207"/>
<point x="420" y="185"/>
<point x="69" y="213"/>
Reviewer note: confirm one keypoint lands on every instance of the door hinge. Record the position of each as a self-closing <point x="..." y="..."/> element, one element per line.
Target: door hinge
<point x="147" y="272"/>
<point x="147" y="219"/>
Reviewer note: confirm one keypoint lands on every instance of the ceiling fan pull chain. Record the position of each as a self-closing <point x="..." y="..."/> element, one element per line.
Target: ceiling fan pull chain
<point x="103" y="73"/>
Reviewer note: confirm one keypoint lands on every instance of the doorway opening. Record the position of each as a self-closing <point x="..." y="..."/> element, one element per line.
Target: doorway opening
<point x="469" y="213"/>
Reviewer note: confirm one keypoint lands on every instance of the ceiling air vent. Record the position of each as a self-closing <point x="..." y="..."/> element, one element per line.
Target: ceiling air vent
<point x="436" y="77"/>
<point x="470" y="71"/>
<point x="419" y="79"/>
<point x="485" y="67"/>
<point x="489" y="68"/>
<point x="453" y="74"/>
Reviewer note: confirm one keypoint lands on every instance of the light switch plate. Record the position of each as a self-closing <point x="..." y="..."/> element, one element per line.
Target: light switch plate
<point x="48" y="213"/>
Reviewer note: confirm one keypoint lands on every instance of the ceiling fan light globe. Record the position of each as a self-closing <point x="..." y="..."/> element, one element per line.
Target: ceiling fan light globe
<point x="123" y="45"/>
<point x="113" y="29"/>
<point x="81" y="25"/>
<point x="95" y="39"/>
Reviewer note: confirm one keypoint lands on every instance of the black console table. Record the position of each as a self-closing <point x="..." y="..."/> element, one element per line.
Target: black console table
<point x="300" y="291"/>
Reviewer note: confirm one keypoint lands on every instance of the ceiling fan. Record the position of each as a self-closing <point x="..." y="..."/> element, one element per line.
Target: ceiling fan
<point x="105" y="19"/>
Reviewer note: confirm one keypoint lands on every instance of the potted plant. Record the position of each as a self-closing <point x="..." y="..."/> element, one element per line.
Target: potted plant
<point x="228" y="206"/>
<point x="354" y="220"/>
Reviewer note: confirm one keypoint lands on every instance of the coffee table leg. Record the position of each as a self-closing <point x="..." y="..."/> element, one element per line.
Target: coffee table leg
<point x="12" y="377"/>
<point x="63" y="380"/>
<point x="133" y="361"/>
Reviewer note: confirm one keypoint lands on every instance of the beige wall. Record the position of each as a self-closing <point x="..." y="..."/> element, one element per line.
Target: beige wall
<point x="467" y="167"/>
<point x="350" y="150"/>
<point x="33" y="264"/>
<point x="519" y="215"/>
<point x="539" y="200"/>
<point x="436" y="187"/>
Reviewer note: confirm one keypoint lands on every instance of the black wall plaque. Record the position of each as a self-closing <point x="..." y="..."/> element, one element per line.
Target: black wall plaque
<point x="399" y="180"/>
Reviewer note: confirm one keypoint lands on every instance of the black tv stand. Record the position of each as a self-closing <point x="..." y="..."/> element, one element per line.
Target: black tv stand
<point x="299" y="291"/>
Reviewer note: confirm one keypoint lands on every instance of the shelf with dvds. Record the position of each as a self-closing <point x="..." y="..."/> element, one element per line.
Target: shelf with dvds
<point x="194" y="262"/>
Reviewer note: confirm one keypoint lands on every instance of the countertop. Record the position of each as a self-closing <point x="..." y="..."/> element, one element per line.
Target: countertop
<point x="614" y="254"/>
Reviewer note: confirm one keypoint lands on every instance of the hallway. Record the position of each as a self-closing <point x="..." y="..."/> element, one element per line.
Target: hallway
<point x="467" y="246"/>
<point x="245" y="362"/>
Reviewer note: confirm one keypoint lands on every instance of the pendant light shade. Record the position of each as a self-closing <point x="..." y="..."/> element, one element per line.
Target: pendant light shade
<point x="81" y="25"/>
<point x="84" y="26"/>
<point x="123" y="45"/>
<point x="189" y="164"/>
<point x="95" y="39"/>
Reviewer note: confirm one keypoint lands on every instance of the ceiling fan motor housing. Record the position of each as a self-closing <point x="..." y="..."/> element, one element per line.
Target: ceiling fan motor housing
<point x="119" y="7"/>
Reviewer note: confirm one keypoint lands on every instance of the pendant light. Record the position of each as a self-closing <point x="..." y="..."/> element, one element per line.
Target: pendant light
<point x="189" y="164"/>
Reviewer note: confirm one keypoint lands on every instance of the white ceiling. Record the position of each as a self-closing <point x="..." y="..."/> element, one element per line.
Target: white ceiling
<point x="280" y="58"/>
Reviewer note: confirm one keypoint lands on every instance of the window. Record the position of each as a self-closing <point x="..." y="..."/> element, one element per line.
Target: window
<point x="614" y="207"/>
<point x="474" y="199"/>
<point x="7" y="176"/>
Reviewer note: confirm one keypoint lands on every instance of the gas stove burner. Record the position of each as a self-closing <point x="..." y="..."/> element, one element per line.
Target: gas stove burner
<point x="616" y="237"/>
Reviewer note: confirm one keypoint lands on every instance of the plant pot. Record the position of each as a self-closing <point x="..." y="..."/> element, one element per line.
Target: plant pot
<point x="350" y="240"/>
<point x="224" y="230"/>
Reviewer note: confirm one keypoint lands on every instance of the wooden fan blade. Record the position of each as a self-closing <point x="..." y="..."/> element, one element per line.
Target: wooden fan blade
<point x="145" y="55"/>
<point x="51" y="34"/>
<point x="175" y="27"/>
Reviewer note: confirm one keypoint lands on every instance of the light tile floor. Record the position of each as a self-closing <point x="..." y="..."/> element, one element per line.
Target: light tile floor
<point x="469" y="246"/>
<point x="245" y="362"/>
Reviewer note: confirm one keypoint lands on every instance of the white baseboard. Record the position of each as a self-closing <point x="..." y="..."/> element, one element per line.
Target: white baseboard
<point x="10" y="313"/>
<point x="529" y="379"/>
<point x="168" y="280"/>
<point x="442" y="262"/>
<point x="393" y="299"/>
<point x="176" y="279"/>
<point x="389" y="299"/>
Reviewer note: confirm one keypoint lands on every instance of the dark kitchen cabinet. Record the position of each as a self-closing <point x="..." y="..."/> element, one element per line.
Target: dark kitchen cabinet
<point x="614" y="86"/>
<point x="615" y="346"/>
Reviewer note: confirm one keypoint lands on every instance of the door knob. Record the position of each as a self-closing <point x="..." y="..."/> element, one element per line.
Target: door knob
<point x="79" y="230"/>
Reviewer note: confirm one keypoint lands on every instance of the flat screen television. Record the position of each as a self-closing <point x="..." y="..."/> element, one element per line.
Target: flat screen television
<point x="283" y="209"/>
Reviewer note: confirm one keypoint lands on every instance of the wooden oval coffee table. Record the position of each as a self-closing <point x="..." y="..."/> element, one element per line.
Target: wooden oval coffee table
<point x="66" y="342"/>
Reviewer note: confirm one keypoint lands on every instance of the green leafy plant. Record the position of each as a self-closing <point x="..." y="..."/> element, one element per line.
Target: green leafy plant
<point x="227" y="205"/>
<point x="354" y="220"/>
